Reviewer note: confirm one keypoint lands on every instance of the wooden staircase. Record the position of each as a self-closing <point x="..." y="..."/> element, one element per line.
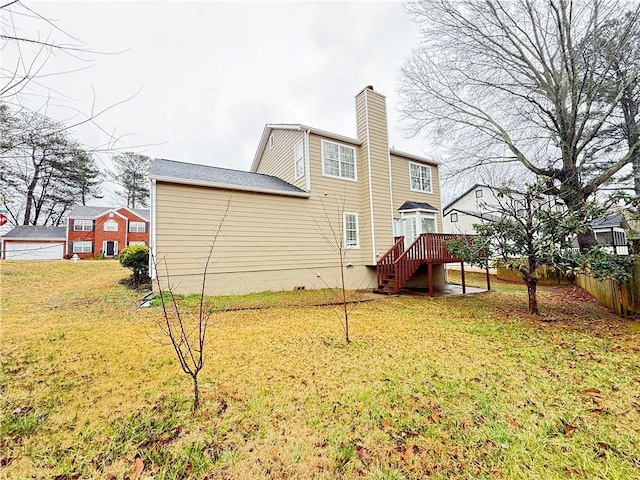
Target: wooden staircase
<point x="398" y="265"/>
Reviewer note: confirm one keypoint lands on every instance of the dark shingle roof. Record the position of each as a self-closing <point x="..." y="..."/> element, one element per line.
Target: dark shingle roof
<point x="416" y="205"/>
<point x="142" y="213"/>
<point x="608" y="222"/>
<point x="37" y="232"/>
<point x="194" y="173"/>
<point x="89" y="211"/>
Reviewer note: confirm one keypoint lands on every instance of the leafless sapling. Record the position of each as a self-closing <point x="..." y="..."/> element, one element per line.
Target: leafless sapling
<point x="340" y="240"/>
<point x="187" y="330"/>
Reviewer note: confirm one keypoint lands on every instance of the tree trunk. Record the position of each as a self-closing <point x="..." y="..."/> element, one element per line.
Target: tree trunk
<point x="31" y="188"/>
<point x="196" y="393"/>
<point x="533" y="298"/>
<point x="636" y="174"/>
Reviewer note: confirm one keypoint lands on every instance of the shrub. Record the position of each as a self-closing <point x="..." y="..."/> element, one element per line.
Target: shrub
<point x="135" y="257"/>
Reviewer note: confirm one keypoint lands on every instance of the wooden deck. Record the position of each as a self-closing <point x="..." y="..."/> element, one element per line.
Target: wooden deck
<point x="398" y="264"/>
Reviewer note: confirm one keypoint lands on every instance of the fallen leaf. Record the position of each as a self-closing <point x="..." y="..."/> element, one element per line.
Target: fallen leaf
<point x="138" y="467"/>
<point x="569" y="429"/>
<point x="458" y="454"/>
<point x="385" y="423"/>
<point x="593" y="392"/>
<point x="512" y="422"/>
<point x="596" y="411"/>
<point x="363" y="455"/>
<point x="389" y="409"/>
<point x="435" y="418"/>
<point x="408" y="453"/>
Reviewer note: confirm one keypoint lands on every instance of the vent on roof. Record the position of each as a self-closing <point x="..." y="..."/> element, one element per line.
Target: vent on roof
<point x="369" y="87"/>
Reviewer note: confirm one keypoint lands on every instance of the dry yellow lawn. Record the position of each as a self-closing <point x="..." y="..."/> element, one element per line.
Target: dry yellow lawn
<point x="444" y="388"/>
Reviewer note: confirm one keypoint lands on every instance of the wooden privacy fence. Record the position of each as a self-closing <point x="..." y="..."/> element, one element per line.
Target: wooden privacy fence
<point x="622" y="299"/>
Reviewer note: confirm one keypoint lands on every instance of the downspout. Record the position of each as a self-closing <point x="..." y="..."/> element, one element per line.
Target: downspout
<point x="373" y="231"/>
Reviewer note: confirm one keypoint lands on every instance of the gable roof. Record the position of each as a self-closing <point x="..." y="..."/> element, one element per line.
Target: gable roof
<point x="482" y="215"/>
<point x="36" y="232"/>
<point x="270" y="127"/>
<point x="205" y="175"/>
<point x="464" y="195"/>
<point x="90" y="211"/>
<point x="408" y="205"/>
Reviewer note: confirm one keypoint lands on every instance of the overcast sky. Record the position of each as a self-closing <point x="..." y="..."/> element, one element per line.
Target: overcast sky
<point x="206" y="76"/>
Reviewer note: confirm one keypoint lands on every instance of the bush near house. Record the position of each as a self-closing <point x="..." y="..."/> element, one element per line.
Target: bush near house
<point x="467" y="387"/>
<point x="136" y="258"/>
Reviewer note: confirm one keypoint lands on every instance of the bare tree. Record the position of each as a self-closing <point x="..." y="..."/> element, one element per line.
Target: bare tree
<point x="521" y="82"/>
<point x="187" y="331"/>
<point x="43" y="171"/>
<point x="340" y="235"/>
<point x="619" y="66"/>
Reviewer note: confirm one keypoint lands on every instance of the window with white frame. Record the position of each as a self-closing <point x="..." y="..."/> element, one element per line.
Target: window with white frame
<point x="82" y="247"/>
<point x="454" y="217"/>
<point x="428" y="223"/>
<point x="298" y="159"/>
<point x="338" y="160"/>
<point x="350" y="228"/>
<point x="137" y="227"/>
<point x="137" y="243"/>
<point x="420" y="177"/>
<point x="83" y="225"/>
<point x="110" y="226"/>
<point x="478" y="193"/>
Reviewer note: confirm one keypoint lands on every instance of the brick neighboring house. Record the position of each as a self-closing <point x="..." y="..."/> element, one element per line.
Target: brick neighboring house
<point x="95" y="230"/>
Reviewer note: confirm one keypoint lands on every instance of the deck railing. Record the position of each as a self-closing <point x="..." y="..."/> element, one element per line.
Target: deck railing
<point x="385" y="264"/>
<point x="396" y="267"/>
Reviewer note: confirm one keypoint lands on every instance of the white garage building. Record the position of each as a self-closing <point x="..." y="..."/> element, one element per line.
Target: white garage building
<point x="34" y="243"/>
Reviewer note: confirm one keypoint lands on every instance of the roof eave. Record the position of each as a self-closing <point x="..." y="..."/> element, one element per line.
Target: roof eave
<point x="411" y="156"/>
<point x="40" y="239"/>
<point x="225" y="186"/>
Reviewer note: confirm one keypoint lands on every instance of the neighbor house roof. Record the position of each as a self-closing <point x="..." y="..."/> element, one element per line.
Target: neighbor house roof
<point x="477" y="185"/>
<point x="608" y="222"/>
<point x="36" y="232"/>
<point x="408" y="205"/>
<point x="90" y="211"/>
<point x="481" y="215"/>
<point x="205" y="175"/>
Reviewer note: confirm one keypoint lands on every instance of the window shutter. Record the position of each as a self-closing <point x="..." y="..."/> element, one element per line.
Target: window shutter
<point x="93" y="226"/>
<point x="71" y="224"/>
<point x="146" y="227"/>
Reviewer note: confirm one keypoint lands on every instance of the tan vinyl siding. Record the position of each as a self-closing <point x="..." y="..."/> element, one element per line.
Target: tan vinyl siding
<point x="272" y="241"/>
<point x="372" y="131"/>
<point x="278" y="161"/>
<point x="402" y="187"/>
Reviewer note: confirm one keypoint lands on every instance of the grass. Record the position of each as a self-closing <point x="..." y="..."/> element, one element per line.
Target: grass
<point x="466" y="387"/>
